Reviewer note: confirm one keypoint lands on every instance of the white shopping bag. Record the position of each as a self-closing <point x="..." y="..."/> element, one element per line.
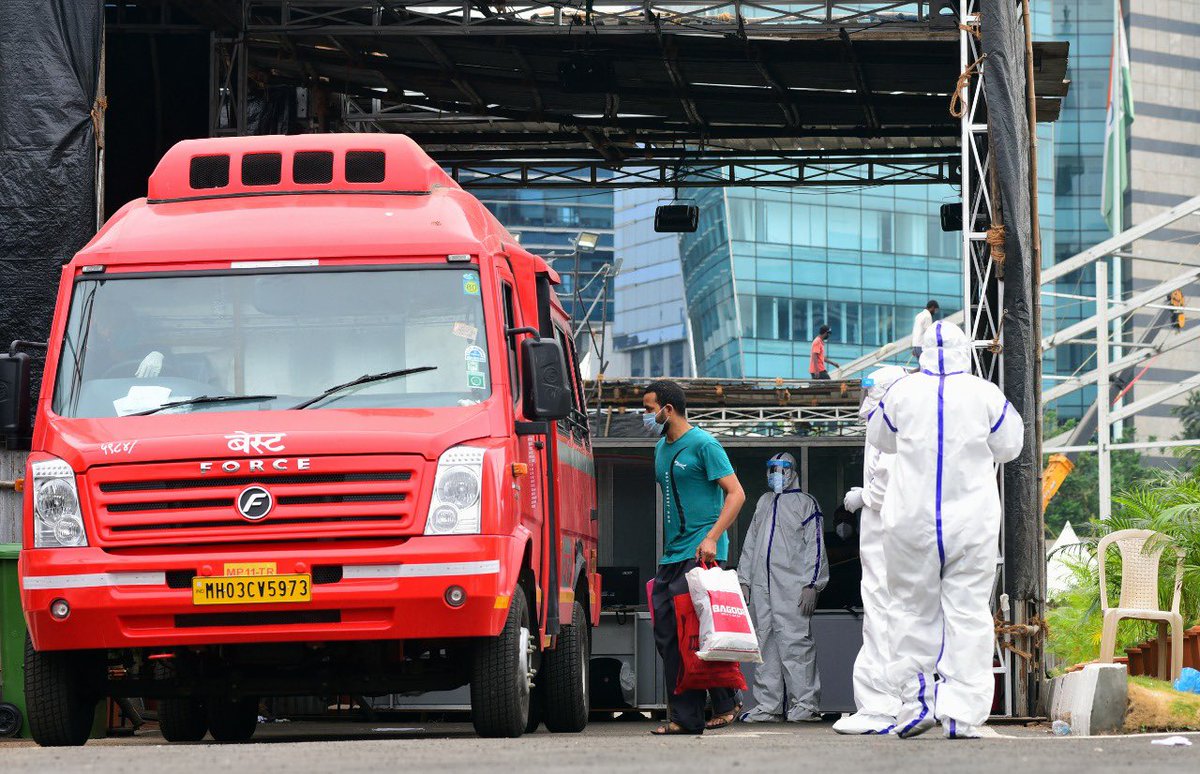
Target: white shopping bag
<point x="726" y="631"/>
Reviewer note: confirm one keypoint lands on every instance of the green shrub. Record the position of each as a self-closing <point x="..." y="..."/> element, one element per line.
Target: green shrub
<point x="1164" y="501"/>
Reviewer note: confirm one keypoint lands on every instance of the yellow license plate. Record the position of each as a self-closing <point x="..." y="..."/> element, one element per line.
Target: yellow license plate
<point x="250" y="590"/>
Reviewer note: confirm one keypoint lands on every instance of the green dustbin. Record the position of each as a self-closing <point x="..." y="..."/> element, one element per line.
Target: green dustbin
<point x="12" y="643"/>
<point x="12" y="632"/>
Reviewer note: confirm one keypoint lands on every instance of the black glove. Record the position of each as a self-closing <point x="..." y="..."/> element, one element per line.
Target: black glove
<point x="808" y="601"/>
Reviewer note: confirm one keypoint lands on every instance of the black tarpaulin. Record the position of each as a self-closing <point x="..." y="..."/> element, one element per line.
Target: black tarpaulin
<point x="1004" y="85"/>
<point x="49" y="71"/>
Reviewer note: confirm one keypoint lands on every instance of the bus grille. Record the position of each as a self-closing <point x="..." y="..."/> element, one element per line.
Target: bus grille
<point x="335" y="498"/>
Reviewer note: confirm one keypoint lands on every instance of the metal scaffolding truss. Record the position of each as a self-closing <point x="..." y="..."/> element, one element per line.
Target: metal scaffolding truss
<point x="602" y="93"/>
<point x="444" y="17"/>
<point x="777" y="422"/>
<point x="803" y="171"/>
<point x="983" y="288"/>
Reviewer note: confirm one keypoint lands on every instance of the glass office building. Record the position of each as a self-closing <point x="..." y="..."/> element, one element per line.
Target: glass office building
<point x="547" y="222"/>
<point x="650" y="328"/>
<point x="1087" y="25"/>
<point x="1164" y="48"/>
<point x="769" y="266"/>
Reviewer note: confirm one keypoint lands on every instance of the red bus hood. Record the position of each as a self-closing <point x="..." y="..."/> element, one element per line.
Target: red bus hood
<point x="221" y="435"/>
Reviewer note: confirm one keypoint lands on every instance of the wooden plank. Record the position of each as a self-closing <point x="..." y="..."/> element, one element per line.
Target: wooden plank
<point x="12" y="466"/>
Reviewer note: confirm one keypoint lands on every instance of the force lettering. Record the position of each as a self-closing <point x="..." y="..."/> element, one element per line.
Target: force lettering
<point x="257" y="466"/>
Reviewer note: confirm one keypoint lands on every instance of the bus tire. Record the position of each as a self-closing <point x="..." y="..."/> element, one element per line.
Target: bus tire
<point x="500" y="686"/>
<point x="565" y="677"/>
<point x="182" y="720"/>
<point x="232" y="720"/>
<point x="59" y="703"/>
<point x="536" y="702"/>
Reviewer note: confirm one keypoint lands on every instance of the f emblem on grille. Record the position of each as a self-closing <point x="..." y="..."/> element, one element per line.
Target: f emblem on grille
<point x="254" y="503"/>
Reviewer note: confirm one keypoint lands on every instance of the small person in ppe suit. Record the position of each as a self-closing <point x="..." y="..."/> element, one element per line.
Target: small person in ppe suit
<point x="941" y="530"/>
<point x="782" y="569"/>
<point x="877" y="702"/>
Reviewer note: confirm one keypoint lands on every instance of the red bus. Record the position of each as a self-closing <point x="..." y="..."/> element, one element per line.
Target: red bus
<point x="311" y="424"/>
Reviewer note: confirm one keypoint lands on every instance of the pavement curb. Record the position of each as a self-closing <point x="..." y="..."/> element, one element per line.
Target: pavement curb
<point x="1093" y="700"/>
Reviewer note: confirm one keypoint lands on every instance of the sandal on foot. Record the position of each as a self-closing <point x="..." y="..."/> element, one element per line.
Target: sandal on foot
<point x="674" y="729"/>
<point x="724" y="719"/>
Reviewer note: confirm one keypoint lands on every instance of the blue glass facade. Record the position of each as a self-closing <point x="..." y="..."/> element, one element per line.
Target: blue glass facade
<point x="649" y="328"/>
<point x="547" y="222"/>
<point x="1079" y="163"/>
<point x="769" y="266"/>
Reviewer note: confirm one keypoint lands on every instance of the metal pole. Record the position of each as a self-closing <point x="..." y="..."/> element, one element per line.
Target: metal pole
<point x="1103" y="429"/>
<point x="1118" y="202"/>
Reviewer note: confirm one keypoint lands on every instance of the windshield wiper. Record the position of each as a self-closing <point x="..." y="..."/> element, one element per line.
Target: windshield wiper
<point x="201" y="400"/>
<point x="364" y="379"/>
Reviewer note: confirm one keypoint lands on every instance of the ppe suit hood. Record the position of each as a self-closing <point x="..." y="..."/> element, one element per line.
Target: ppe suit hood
<point x="883" y="378"/>
<point x="945" y="349"/>
<point x="789" y="477"/>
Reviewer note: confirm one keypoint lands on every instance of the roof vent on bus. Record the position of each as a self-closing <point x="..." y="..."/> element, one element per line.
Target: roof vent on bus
<point x="312" y="167"/>
<point x="262" y="168"/>
<point x="365" y="166"/>
<point x="209" y="171"/>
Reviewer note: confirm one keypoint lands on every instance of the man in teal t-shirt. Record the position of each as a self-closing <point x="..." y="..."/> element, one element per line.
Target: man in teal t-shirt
<point x="688" y="470"/>
<point x="701" y="499"/>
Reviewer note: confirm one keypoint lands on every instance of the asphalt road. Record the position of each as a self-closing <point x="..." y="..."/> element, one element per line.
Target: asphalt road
<point x="604" y="748"/>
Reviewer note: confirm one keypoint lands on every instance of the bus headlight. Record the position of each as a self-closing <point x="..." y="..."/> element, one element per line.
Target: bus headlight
<point x="57" y="518"/>
<point x="455" y="508"/>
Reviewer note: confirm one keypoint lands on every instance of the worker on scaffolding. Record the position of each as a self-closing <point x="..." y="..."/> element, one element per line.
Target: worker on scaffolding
<point x="941" y="531"/>
<point x="921" y="323"/>
<point x="818" y="364"/>
<point x="782" y="569"/>
<point x="876" y="701"/>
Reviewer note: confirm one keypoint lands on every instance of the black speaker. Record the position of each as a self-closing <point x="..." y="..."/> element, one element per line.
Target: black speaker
<point x="676" y="218"/>
<point x="16" y="419"/>
<point x="952" y="217"/>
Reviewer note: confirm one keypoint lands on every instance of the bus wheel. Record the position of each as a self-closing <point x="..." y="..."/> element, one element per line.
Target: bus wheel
<point x="565" y="677"/>
<point x="500" y="682"/>
<point x="232" y="720"/>
<point x="182" y="720"/>
<point x="58" y="697"/>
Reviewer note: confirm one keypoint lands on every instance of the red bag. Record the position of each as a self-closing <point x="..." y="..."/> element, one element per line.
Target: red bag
<point x="695" y="674"/>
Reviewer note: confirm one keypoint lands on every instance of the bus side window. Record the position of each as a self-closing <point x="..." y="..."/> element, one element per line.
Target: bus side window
<point x="580" y="396"/>
<point x="578" y="418"/>
<point x="510" y="318"/>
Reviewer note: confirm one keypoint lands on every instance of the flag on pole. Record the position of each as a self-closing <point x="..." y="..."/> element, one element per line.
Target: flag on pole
<point x="1116" y="126"/>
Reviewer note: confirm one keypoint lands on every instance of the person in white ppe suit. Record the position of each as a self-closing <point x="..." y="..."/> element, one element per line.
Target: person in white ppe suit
<point x="941" y="527"/>
<point x="874" y="696"/>
<point x="782" y="569"/>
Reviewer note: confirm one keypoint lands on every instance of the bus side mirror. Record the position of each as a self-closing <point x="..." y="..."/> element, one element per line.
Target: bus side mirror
<point x="15" y="419"/>
<point x="547" y="391"/>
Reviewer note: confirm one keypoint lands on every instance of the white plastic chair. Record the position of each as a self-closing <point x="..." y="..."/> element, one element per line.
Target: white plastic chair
<point x="1139" y="593"/>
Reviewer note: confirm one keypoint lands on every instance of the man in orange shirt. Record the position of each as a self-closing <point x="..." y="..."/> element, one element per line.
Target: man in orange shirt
<point x="816" y="365"/>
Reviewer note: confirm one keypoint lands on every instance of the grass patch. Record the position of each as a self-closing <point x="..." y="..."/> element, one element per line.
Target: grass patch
<point x="1155" y="706"/>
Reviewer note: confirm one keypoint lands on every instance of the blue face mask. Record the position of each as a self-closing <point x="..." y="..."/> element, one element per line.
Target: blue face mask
<point x="651" y="423"/>
<point x="775" y="482"/>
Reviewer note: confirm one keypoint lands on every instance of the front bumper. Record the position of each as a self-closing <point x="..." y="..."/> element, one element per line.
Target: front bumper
<point x="385" y="593"/>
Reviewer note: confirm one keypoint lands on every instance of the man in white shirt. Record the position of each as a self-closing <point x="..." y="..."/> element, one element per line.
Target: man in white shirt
<point x="924" y="319"/>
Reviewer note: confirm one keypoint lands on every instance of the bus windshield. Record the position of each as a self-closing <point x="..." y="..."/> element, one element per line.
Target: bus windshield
<point x="241" y="341"/>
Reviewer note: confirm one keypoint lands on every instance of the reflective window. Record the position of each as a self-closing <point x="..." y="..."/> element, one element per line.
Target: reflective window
<point x="136" y="344"/>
